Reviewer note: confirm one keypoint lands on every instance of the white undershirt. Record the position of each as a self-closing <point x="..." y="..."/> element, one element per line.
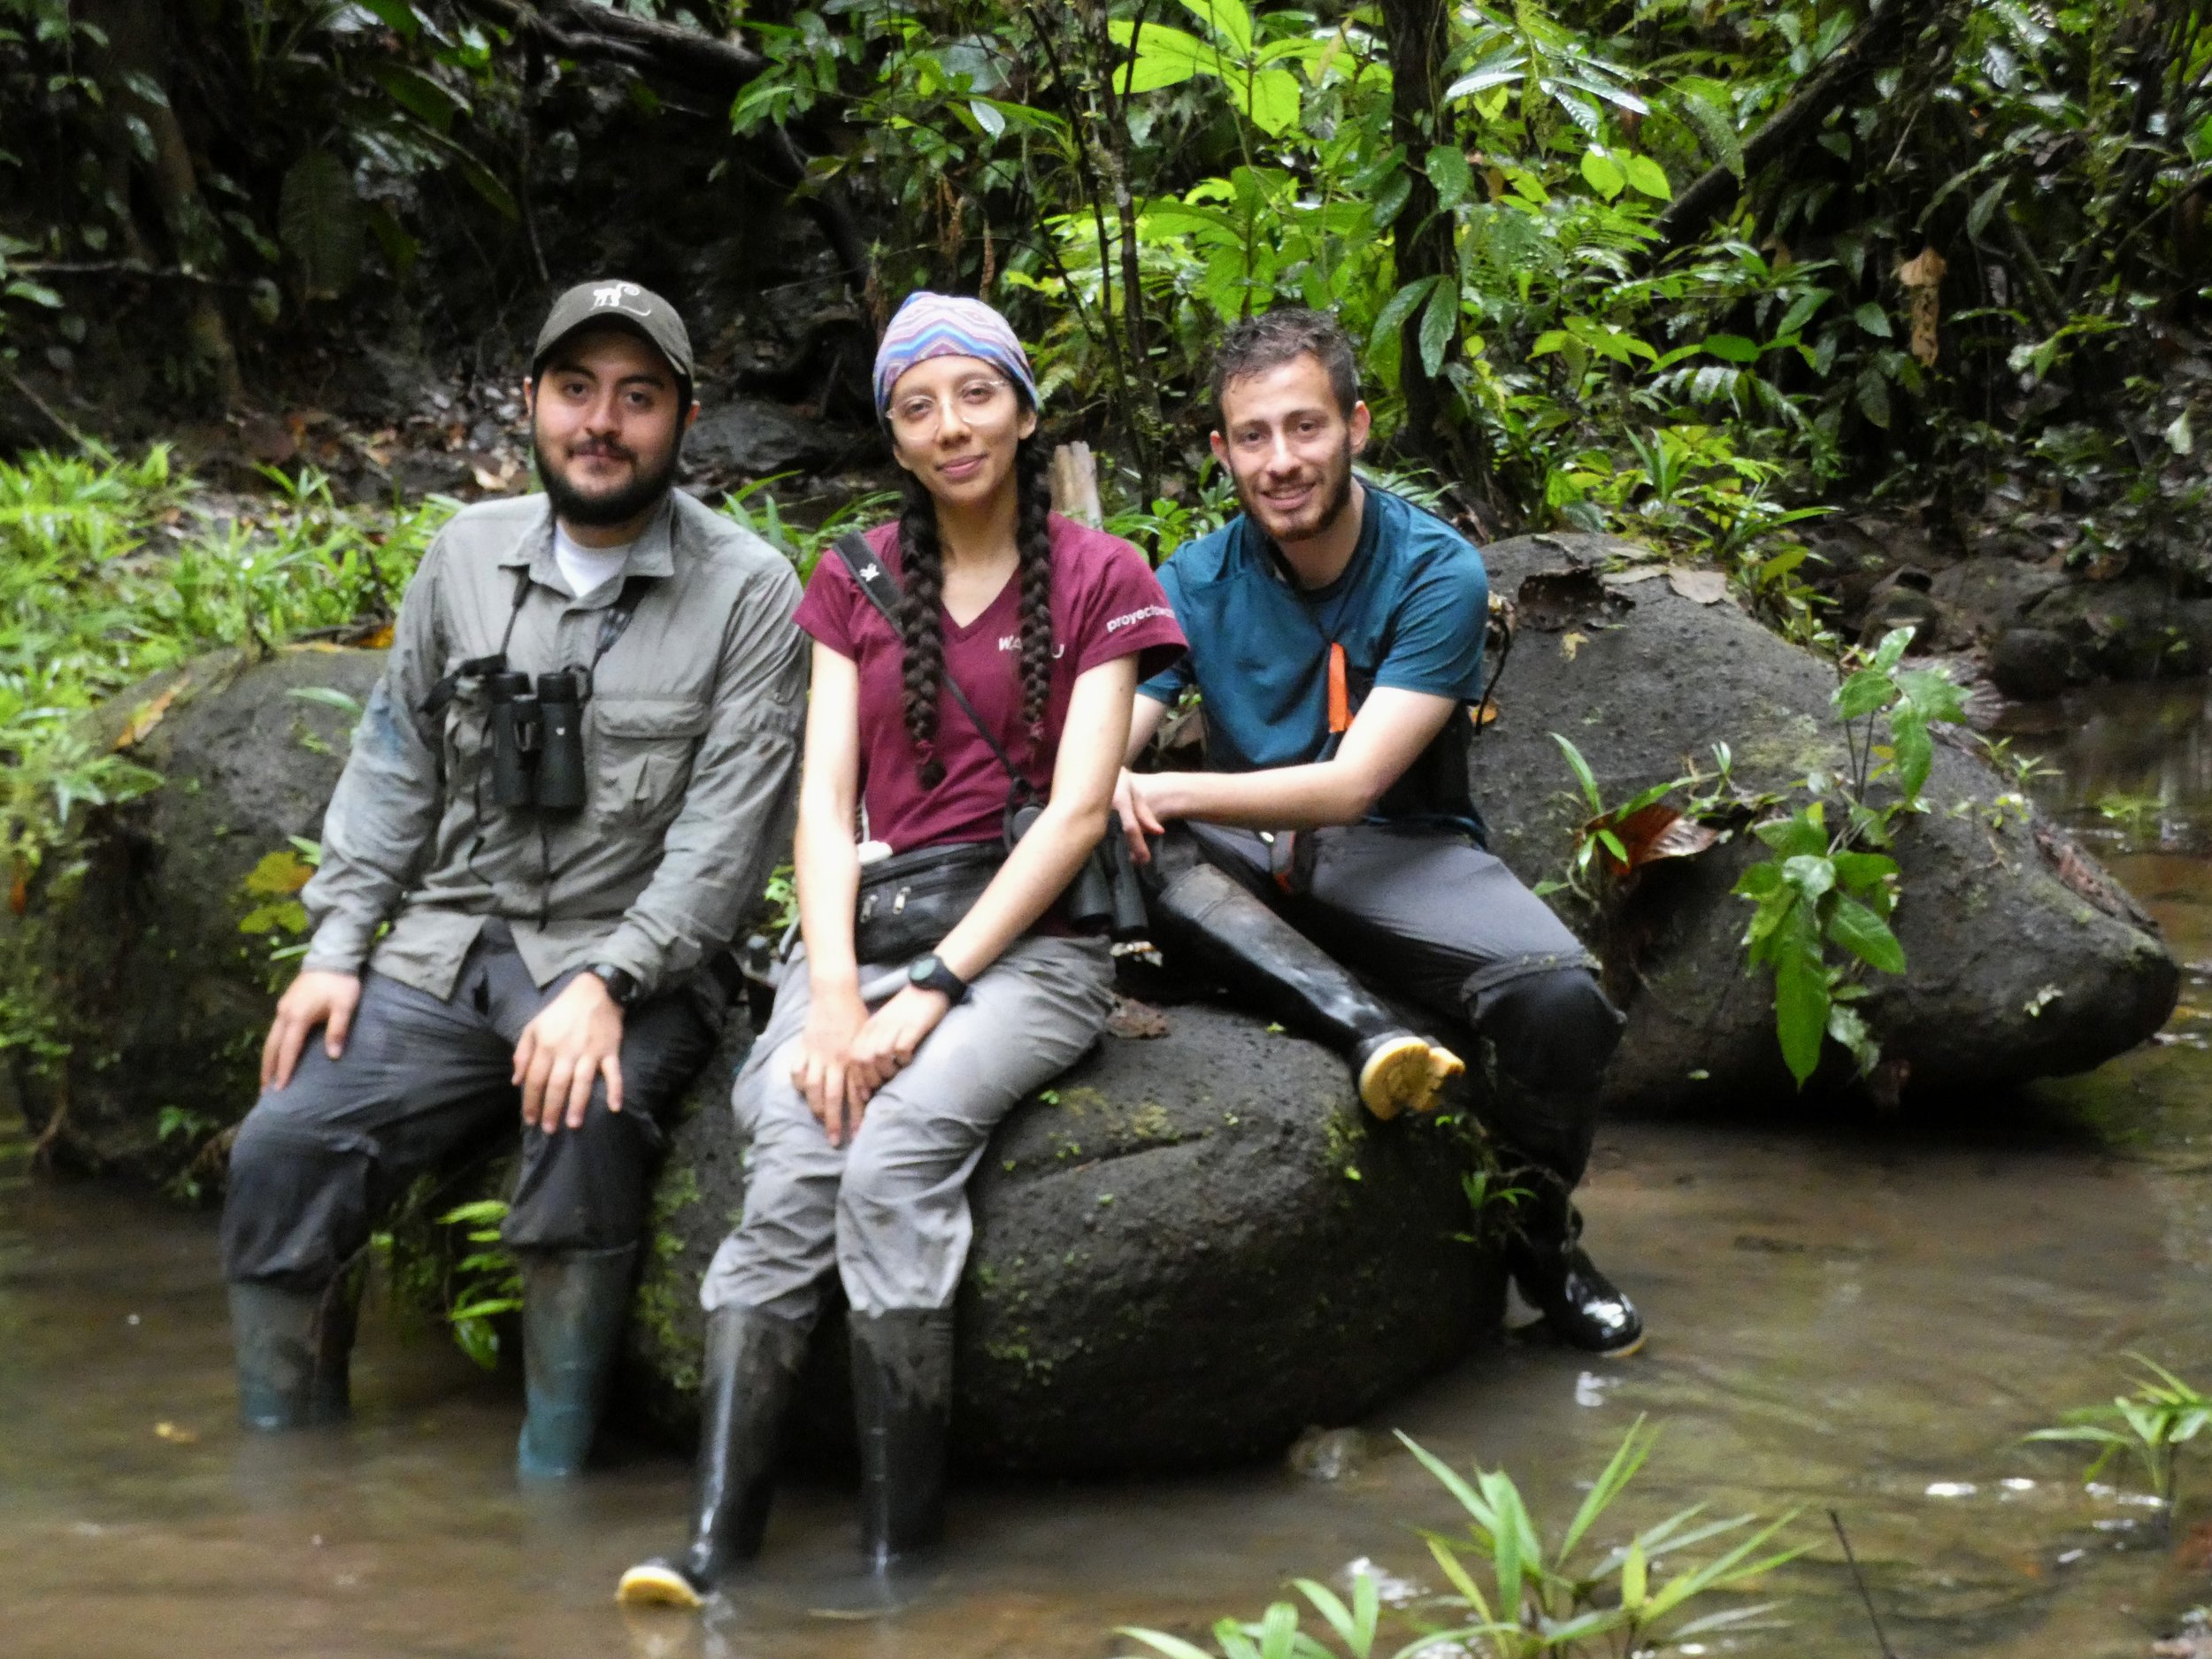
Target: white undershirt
<point x="587" y="568"/>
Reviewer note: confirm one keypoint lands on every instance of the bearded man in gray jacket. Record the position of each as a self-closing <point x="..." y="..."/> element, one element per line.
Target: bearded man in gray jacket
<point x="564" y="793"/>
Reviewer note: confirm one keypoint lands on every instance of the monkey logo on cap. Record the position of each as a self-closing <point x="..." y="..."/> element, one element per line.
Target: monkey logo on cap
<point x="611" y="299"/>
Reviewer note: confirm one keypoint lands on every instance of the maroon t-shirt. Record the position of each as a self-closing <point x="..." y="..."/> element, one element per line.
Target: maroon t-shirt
<point x="1106" y="602"/>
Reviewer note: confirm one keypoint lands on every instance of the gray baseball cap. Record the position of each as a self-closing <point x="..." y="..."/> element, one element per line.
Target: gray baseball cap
<point x="626" y="305"/>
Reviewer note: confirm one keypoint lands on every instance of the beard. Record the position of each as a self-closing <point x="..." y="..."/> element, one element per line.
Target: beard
<point x="1333" y="497"/>
<point x="606" y="508"/>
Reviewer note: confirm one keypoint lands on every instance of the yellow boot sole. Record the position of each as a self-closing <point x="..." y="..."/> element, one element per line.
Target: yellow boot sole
<point x="653" y="1585"/>
<point x="1406" y="1073"/>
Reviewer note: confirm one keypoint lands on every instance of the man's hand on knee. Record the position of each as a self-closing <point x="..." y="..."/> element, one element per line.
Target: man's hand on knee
<point x="318" y="997"/>
<point x="575" y="1040"/>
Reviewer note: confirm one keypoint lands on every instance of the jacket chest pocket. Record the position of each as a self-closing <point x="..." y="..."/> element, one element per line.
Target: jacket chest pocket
<point x="643" y="750"/>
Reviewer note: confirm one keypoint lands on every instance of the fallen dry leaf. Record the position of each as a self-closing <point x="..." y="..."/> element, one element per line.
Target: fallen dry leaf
<point x="1135" y="1019"/>
<point x="1482" y="714"/>
<point x="1705" y="588"/>
<point x="1570" y="644"/>
<point x="1641" y="573"/>
<point x="146" y="716"/>
<point x="1923" y="277"/>
<point x="1654" y="833"/>
<point x="379" y="640"/>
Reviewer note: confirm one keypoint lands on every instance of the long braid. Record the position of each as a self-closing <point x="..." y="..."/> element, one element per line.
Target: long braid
<point x="1032" y="536"/>
<point x="921" y="635"/>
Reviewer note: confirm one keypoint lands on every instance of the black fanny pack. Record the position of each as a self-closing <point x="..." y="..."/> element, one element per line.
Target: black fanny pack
<point x="911" y="900"/>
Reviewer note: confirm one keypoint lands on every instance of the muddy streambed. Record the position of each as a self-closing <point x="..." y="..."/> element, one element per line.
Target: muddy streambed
<point x="1848" y="1314"/>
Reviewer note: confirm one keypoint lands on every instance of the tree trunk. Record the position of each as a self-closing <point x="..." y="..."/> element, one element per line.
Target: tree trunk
<point x="1421" y="237"/>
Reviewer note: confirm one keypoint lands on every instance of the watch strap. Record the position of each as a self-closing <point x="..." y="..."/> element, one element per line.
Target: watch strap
<point x="930" y="973"/>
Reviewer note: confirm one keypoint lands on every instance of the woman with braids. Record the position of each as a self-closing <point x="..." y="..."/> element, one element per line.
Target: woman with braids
<point x="869" y="1096"/>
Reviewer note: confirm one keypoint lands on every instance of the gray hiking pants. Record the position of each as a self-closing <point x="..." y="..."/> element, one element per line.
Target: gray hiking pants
<point x="1432" y="918"/>
<point x="889" y="1209"/>
<point x="422" y="1080"/>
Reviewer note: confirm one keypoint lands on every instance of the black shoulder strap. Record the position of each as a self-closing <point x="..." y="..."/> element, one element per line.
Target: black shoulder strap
<point x="882" y="589"/>
<point x="477" y="667"/>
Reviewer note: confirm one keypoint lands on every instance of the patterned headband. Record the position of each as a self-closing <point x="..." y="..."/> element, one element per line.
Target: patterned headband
<point x="945" y="326"/>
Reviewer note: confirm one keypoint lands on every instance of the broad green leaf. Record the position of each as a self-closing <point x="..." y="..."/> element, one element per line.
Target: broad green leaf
<point x="1402" y="305"/>
<point x="1759" y="880"/>
<point x="1603" y="173"/>
<point x="419" y="96"/>
<point x="1731" y="348"/>
<point x="1865" y="692"/>
<point x="1932" y="694"/>
<point x="1801" y="309"/>
<point x="1647" y="177"/>
<point x="1501" y="67"/>
<point x="1811" y="874"/>
<point x="1801" y="1001"/>
<point x="1874" y="319"/>
<point x="396" y="15"/>
<point x="986" y="117"/>
<point x="1273" y="101"/>
<point x="1873" y="397"/>
<point x="1891" y="650"/>
<point x="1437" y="323"/>
<point x="1165" y="57"/>
<point x="1228" y="19"/>
<point x="1865" y="936"/>
<point x="1861" y="873"/>
<point x="1449" y="172"/>
<point x="1804" y="831"/>
<point x="1913" y="752"/>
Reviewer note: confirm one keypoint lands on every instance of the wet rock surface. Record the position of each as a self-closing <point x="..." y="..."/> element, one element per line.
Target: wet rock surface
<point x="140" y="956"/>
<point x="2024" y="960"/>
<point x="1192" y="1249"/>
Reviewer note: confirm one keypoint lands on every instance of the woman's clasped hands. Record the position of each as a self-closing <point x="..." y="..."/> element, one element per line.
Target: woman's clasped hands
<point x="846" y="1054"/>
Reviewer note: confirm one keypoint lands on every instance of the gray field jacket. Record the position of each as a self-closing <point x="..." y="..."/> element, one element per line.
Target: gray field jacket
<point x="691" y="741"/>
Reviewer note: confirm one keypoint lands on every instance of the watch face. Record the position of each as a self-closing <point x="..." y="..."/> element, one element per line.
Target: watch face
<point x="921" y="969"/>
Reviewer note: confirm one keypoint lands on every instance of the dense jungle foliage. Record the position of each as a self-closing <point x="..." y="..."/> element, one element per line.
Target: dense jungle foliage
<point x="1682" y="266"/>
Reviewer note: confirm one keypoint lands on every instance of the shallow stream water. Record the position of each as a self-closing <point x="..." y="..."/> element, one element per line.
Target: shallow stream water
<point x="1861" y="1315"/>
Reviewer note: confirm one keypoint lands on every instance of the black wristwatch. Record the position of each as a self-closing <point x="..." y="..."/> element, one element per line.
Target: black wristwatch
<point x="930" y="973"/>
<point x="621" y="985"/>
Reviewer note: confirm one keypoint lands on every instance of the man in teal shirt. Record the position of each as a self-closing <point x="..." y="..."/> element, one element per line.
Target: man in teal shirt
<point x="1336" y="635"/>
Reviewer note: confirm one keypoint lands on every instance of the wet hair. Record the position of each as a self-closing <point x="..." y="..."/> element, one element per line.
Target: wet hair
<point x="921" y="630"/>
<point x="1274" y="338"/>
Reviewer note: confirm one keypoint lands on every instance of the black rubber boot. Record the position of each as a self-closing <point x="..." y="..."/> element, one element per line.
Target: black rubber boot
<point x="573" y="1304"/>
<point x="1204" y="912"/>
<point x="294" y="1353"/>
<point x="1584" y="1308"/>
<point x="752" y="1366"/>
<point x="901" y="1416"/>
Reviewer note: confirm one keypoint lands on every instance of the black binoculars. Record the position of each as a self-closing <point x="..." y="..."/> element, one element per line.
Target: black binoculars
<point x="1105" y="897"/>
<point x="538" y="741"/>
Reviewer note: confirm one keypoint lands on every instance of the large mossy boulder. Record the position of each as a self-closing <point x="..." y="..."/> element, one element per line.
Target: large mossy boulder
<point x="1191" y="1248"/>
<point x="130" y="949"/>
<point x="2024" y="958"/>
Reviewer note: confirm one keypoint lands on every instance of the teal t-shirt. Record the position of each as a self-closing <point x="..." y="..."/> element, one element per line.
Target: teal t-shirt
<point x="1409" y="610"/>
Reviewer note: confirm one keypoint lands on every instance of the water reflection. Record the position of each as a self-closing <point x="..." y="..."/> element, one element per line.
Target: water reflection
<point x="1858" y="1315"/>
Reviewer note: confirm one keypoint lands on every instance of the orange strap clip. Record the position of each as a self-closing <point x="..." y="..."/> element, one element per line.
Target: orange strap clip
<point x="1340" y="693"/>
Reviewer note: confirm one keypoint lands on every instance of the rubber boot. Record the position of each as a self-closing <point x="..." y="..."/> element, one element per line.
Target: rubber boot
<point x="294" y="1353"/>
<point x="1262" y="957"/>
<point x="573" y="1304"/>
<point x="1584" y="1308"/>
<point x="752" y="1367"/>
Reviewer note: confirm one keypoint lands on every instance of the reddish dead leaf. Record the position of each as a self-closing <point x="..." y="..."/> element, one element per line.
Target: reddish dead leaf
<point x="1483" y="714"/>
<point x="147" y="717"/>
<point x="1656" y="831"/>
<point x="378" y="641"/>
<point x="1135" y="1019"/>
<point x="19" y="888"/>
